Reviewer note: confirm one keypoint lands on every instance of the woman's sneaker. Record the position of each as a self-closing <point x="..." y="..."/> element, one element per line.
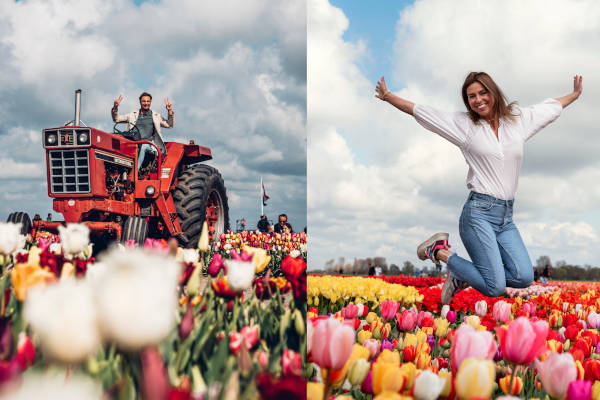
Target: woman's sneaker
<point x="450" y="288"/>
<point x="428" y="248"/>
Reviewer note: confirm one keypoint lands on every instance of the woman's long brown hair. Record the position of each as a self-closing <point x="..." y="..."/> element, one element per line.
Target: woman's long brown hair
<point x="501" y="109"/>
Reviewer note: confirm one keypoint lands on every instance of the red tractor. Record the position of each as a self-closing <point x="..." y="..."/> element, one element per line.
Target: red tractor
<point x="93" y="178"/>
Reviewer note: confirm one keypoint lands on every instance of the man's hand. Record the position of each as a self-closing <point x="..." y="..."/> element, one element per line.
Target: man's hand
<point x="118" y="101"/>
<point x="169" y="106"/>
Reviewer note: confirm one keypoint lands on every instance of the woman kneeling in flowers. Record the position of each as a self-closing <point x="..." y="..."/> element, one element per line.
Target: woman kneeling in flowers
<point x="491" y="135"/>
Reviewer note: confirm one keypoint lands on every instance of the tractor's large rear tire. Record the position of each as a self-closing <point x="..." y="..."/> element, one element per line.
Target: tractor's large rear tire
<point x="23" y="219"/>
<point x="200" y="196"/>
<point x="135" y="228"/>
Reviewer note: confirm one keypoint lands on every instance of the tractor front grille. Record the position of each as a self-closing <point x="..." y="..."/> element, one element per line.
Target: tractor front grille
<point x="69" y="171"/>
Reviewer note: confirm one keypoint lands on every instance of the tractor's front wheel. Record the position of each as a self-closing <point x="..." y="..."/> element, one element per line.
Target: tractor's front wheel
<point x="200" y="196"/>
<point x="23" y="219"/>
<point x="135" y="228"/>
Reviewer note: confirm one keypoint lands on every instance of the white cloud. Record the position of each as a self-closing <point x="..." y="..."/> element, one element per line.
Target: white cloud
<point x="379" y="183"/>
<point x="237" y="81"/>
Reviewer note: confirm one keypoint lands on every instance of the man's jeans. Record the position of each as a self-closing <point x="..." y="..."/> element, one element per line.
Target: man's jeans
<point x="498" y="254"/>
<point x="145" y="147"/>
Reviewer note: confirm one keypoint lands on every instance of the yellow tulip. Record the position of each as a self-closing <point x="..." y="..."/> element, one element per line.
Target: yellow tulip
<point x="441" y="326"/>
<point x="421" y="337"/>
<point x="387" y="377"/>
<point x="25" y="275"/>
<point x="410" y="339"/>
<point x="473" y="320"/>
<point x="337" y="377"/>
<point x="315" y="391"/>
<point x="448" y="386"/>
<point x="389" y="356"/>
<point x="260" y="259"/>
<point x="423" y="348"/>
<point x="362" y="336"/>
<point x="410" y="371"/>
<point x="596" y="390"/>
<point x="371" y="317"/>
<point x="34" y="255"/>
<point x="423" y="360"/>
<point x="428" y="330"/>
<point x="475" y="378"/>
<point x="203" y="241"/>
<point x="68" y="270"/>
<point x="391" y="396"/>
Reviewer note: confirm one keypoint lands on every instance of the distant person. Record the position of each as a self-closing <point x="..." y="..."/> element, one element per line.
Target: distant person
<point x="371" y="270"/>
<point x="263" y="224"/>
<point x="536" y="275"/>
<point x="545" y="274"/>
<point x="282" y="222"/>
<point x="378" y="270"/>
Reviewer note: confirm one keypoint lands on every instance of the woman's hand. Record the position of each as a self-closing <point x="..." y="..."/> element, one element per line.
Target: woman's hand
<point x="577" y="89"/>
<point x="381" y="89"/>
<point x="577" y="84"/>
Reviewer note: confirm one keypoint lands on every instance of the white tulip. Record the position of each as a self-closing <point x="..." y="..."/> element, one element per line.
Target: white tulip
<point x="239" y="274"/>
<point x="189" y="255"/>
<point x="52" y="385"/>
<point x="135" y="297"/>
<point x="428" y="385"/>
<point x="10" y="237"/>
<point x="295" y="253"/>
<point x="74" y="238"/>
<point x="63" y="317"/>
<point x="55" y="248"/>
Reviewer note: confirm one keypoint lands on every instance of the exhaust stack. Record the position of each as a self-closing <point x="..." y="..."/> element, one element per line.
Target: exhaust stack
<point x="77" y="120"/>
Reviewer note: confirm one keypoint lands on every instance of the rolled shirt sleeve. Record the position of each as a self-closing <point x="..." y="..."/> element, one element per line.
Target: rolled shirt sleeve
<point x="449" y="125"/>
<point x="536" y="117"/>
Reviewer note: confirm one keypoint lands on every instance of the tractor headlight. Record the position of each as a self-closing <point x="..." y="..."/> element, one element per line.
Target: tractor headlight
<point x="51" y="139"/>
<point x="150" y="190"/>
<point x="83" y="138"/>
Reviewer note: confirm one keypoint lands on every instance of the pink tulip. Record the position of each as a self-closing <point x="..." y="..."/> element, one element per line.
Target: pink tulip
<point x="331" y="343"/>
<point x="556" y="372"/>
<point x="593" y="320"/>
<point x="451" y="316"/>
<point x="481" y="308"/>
<point x="216" y="264"/>
<point x="501" y="311"/>
<point x="529" y="308"/>
<point x="468" y="342"/>
<point x="407" y="320"/>
<point x="291" y="363"/>
<point x="350" y="311"/>
<point x="579" y="390"/>
<point x="523" y="341"/>
<point x="373" y="346"/>
<point x="388" y="309"/>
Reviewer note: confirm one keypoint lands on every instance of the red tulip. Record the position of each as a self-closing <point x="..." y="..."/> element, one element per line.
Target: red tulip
<point x="523" y="341"/>
<point x="350" y="311"/>
<point x="25" y="351"/>
<point x="409" y="353"/>
<point x="292" y="267"/>
<point x="592" y="369"/>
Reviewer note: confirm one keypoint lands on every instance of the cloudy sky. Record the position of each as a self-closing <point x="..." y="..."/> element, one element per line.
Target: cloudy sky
<point x="379" y="183"/>
<point x="237" y="81"/>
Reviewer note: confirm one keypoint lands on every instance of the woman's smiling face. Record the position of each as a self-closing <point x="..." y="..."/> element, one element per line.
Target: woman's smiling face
<point x="480" y="100"/>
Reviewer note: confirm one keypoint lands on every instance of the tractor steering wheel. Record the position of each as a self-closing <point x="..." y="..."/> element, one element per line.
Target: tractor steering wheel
<point x="133" y="133"/>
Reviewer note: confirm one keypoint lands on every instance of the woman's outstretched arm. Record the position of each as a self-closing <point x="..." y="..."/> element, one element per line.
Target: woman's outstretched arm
<point x="401" y="104"/>
<point x="571" y="97"/>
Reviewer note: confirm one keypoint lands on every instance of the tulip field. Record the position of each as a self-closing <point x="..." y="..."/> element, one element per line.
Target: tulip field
<point x="390" y="338"/>
<point x="224" y="321"/>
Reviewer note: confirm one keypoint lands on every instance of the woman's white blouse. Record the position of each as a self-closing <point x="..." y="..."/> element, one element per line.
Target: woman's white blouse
<point x="494" y="164"/>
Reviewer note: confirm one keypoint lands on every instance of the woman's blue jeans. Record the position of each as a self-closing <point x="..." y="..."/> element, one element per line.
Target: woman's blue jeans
<point x="498" y="254"/>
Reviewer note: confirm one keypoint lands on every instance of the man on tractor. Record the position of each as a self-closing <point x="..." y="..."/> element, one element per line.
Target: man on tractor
<point x="145" y="124"/>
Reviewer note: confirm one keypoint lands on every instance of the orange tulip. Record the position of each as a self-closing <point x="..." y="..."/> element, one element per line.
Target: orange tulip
<point x="517" y="385"/>
<point x="24" y="276"/>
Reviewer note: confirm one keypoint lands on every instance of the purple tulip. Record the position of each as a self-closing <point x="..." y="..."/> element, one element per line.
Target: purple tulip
<point x="431" y="341"/>
<point x="498" y="356"/>
<point x="386" y="344"/>
<point x="367" y="385"/>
